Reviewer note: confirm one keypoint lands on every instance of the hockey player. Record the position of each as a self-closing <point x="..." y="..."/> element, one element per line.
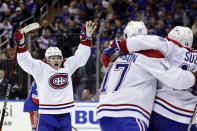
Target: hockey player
<point x="129" y="86"/>
<point x="173" y="108"/>
<point x="31" y="105"/>
<point x="53" y="78"/>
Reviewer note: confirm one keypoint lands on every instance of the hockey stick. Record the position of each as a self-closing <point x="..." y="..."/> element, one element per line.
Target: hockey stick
<point x="74" y="128"/>
<point x="26" y="29"/>
<point x="192" y="119"/>
<point x="8" y="89"/>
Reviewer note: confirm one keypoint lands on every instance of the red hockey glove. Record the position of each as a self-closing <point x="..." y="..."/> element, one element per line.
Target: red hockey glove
<point x="17" y="34"/>
<point x="20" y="40"/>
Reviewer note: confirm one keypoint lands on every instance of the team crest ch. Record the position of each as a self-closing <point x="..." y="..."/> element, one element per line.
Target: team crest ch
<point x="59" y="80"/>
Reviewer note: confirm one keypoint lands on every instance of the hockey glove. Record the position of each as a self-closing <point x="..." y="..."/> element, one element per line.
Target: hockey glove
<point x="119" y="46"/>
<point x="86" y="33"/>
<point x="108" y="51"/>
<point x="105" y="56"/>
<point x="20" y="40"/>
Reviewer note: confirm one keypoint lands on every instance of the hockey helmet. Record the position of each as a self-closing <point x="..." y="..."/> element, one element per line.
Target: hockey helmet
<point x="183" y="35"/>
<point x="53" y="51"/>
<point x="135" y="28"/>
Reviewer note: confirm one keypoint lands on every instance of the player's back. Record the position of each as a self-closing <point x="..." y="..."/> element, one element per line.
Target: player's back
<point x="127" y="90"/>
<point x="177" y="104"/>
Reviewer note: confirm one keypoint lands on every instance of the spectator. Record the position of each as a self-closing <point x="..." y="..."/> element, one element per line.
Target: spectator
<point x="132" y="10"/>
<point x="99" y="12"/>
<point x="18" y="18"/>
<point x="65" y="16"/>
<point x="118" y="28"/>
<point x="89" y="8"/>
<point x="151" y="5"/>
<point x="194" y="27"/>
<point x="6" y="27"/>
<point x="45" y="25"/>
<point x="167" y="5"/>
<point x="73" y="31"/>
<point x="62" y="41"/>
<point x="26" y="13"/>
<point x="46" y="40"/>
<point x="152" y="23"/>
<point x="178" y="14"/>
<point x="160" y="29"/>
<point x="105" y="36"/>
<point x="3" y="84"/>
<point x="194" y="30"/>
<point x="108" y="26"/>
<point x="5" y="14"/>
<point x="86" y="95"/>
<point x="73" y="7"/>
<point x="3" y="6"/>
<point x="4" y="55"/>
<point x="30" y="6"/>
<point x="109" y="13"/>
<point x="56" y="22"/>
<point x="36" y="51"/>
<point x="170" y="20"/>
<point x="142" y="4"/>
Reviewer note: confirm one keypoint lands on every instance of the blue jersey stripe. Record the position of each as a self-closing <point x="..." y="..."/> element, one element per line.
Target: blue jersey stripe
<point x="124" y="109"/>
<point x="56" y="108"/>
<point x="189" y="116"/>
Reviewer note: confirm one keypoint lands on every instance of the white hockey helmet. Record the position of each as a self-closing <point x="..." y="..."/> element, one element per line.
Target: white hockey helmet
<point x="135" y="28"/>
<point x="53" y="51"/>
<point x="183" y="35"/>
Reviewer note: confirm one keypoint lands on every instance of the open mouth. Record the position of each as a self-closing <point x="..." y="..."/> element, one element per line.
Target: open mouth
<point x="56" y="65"/>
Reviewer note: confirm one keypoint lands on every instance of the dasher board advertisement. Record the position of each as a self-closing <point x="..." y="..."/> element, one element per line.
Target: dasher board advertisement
<point x="83" y="117"/>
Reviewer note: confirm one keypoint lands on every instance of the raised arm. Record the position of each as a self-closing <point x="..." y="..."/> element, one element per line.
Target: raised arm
<point x="147" y="42"/>
<point x="82" y="54"/>
<point x="136" y="43"/>
<point x="166" y="73"/>
<point x="24" y="59"/>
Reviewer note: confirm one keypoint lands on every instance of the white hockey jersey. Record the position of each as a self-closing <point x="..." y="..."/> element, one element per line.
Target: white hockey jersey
<point x="129" y="85"/>
<point x="55" y="90"/>
<point x="175" y="104"/>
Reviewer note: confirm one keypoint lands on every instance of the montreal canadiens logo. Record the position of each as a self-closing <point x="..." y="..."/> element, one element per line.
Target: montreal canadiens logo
<point x="59" y="81"/>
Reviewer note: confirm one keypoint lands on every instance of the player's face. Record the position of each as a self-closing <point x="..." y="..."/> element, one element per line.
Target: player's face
<point x="55" y="62"/>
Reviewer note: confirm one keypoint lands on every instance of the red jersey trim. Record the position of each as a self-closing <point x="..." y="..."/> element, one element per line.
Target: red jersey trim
<point x="132" y="105"/>
<point x="57" y="104"/>
<point x="22" y="50"/>
<point x="86" y="43"/>
<point x="173" y="105"/>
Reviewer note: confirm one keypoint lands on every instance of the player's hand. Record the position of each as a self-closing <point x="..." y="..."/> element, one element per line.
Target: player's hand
<point x="19" y="37"/>
<point x="17" y="34"/>
<point x="119" y="46"/>
<point x="87" y="31"/>
<point x="115" y="44"/>
<point x="90" y="28"/>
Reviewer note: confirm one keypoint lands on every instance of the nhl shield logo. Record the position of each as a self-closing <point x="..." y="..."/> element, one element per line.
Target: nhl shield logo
<point x="59" y="80"/>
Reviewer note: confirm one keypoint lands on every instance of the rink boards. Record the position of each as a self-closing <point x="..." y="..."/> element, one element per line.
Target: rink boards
<point x="83" y="117"/>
